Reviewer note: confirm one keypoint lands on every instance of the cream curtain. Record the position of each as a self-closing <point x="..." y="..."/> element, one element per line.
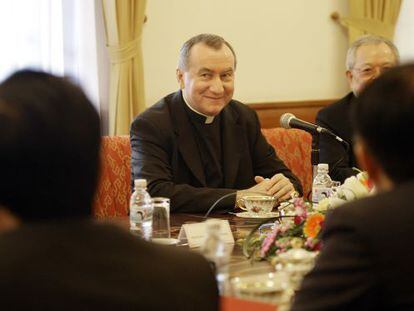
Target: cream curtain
<point x="124" y="21"/>
<point x="377" y="17"/>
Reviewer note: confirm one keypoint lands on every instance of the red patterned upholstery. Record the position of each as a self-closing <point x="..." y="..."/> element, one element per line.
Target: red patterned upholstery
<point x="294" y="148"/>
<point x="113" y="193"/>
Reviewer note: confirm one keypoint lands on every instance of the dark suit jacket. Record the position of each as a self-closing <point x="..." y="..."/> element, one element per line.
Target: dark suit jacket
<point x="164" y="152"/>
<point x="84" y="266"/>
<point x="337" y="118"/>
<point x="367" y="259"/>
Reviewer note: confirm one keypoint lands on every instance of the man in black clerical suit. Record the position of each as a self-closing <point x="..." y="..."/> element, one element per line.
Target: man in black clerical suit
<point x="198" y="145"/>
<point x="366" y="262"/>
<point x="52" y="255"/>
<point x="366" y="59"/>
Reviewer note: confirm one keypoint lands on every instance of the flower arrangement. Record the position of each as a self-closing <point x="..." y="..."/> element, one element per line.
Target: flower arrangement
<point x="354" y="187"/>
<point x="298" y="230"/>
<point x="300" y="223"/>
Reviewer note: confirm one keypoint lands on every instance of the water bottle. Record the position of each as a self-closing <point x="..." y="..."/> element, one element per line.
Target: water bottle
<point x="218" y="253"/>
<point x="321" y="187"/>
<point x="141" y="210"/>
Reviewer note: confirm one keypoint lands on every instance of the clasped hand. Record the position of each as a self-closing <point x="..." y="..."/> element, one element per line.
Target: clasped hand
<point x="278" y="186"/>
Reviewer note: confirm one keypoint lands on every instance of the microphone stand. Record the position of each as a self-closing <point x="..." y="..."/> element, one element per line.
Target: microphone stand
<point x="315" y="154"/>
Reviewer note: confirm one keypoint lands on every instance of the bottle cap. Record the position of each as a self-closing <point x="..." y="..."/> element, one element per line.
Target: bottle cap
<point x="323" y="166"/>
<point x="140" y="183"/>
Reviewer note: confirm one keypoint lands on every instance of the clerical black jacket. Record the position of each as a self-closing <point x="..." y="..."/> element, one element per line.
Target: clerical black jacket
<point x="164" y="151"/>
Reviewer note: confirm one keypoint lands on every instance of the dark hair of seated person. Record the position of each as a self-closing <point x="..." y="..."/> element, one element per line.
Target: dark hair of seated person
<point x="49" y="147"/>
<point x="383" y="117"/>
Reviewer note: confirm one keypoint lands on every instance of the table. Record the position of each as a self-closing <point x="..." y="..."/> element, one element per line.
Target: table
<point x="239" y="264"/>
<point x="240" y="227"/>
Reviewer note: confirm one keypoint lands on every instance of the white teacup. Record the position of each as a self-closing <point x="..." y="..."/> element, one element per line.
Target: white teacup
<point x="257" y="204"/>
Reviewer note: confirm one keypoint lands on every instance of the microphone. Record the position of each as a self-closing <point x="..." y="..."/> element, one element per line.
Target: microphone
<point x="288" y="120"/>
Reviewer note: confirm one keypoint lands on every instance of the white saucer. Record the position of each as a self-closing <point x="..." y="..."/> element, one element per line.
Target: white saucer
<point x="165" y="241"/>
<point x="258" y="216"/>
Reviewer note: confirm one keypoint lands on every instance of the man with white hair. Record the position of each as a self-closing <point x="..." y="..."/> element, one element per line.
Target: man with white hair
<point x="367" y="58"/>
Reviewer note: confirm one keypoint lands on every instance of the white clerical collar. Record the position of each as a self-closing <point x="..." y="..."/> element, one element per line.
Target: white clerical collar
<point x="209" y="119"/>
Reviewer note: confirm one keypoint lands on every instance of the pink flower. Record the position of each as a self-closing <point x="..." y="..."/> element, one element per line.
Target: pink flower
<point x="284" y="227"/>
<point x="268" y="241"/>
<point x="300" y="209"/>
<point x="299" y="202"/>
<point x="309" y="242"/>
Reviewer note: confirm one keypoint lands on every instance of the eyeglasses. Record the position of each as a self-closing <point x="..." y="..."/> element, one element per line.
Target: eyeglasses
<point x="369" y="71"/>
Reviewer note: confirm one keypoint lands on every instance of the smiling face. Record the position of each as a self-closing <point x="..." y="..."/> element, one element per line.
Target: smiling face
<point x="208" y="81"/>
<point x="370" y="62"/>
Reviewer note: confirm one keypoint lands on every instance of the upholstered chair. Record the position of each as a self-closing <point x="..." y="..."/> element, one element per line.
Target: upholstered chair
<point x="294" y="148"/>
<point x="113" y="193"/>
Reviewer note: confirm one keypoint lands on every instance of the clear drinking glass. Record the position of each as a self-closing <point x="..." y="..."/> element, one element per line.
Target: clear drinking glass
<point x="161" y="218"/>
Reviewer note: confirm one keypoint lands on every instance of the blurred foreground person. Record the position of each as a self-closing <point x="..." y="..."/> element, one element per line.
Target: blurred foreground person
<point x="52" y="255"/>
<point x="366" y="261"/>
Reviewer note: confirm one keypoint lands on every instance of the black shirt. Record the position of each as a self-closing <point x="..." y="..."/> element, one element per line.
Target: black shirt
<point x="208" y="140"/>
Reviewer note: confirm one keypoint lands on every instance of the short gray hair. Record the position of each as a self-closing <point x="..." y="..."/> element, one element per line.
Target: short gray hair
<point x="368" y="40"/>
<point x="211" y="40"/>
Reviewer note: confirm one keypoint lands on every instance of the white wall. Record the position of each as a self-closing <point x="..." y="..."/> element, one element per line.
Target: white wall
<point x="286" y="49"/>
<point x="404" y="32"/>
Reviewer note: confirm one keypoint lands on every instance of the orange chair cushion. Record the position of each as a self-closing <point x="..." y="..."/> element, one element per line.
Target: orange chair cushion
<point x="294" y="147"/>
<point x="114" y="190"/>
